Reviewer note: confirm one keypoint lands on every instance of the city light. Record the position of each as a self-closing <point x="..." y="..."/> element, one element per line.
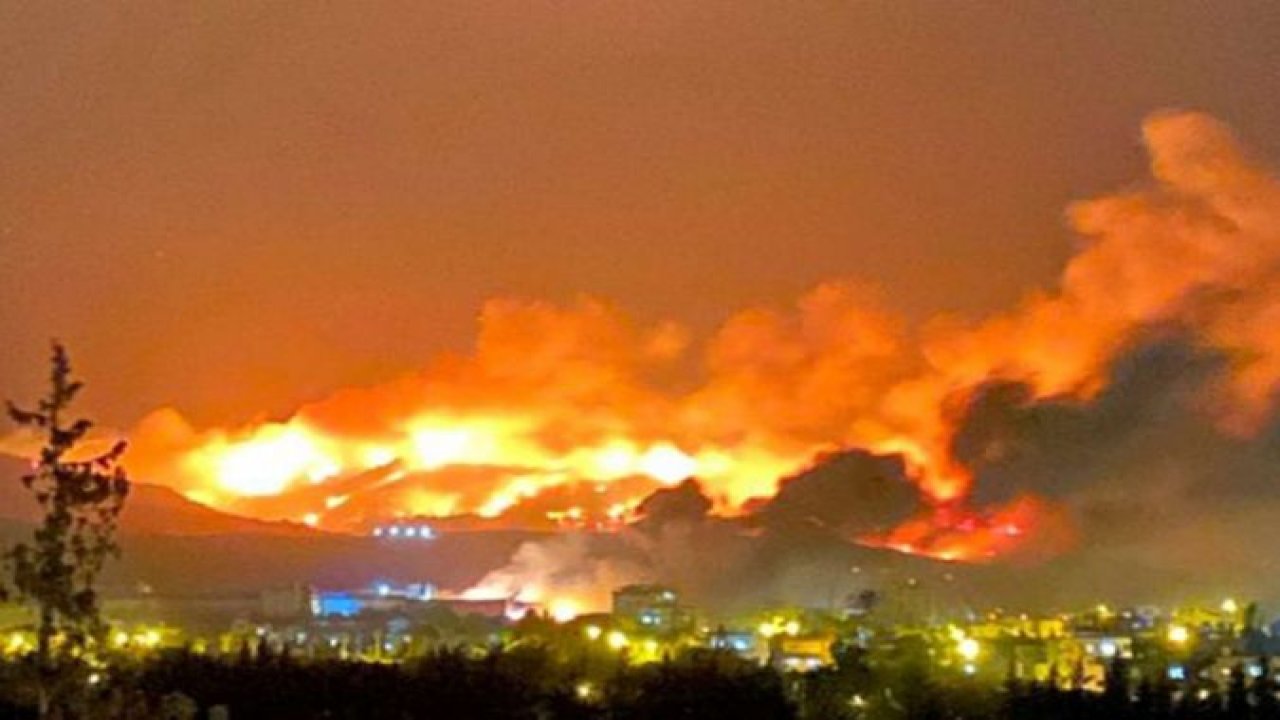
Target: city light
<point x="412" y="532"/>
<point x="968" y="649"/>
<point x="617" y="640"/>
<point x="592" y="632"/>
<point x="1178" y="634"/>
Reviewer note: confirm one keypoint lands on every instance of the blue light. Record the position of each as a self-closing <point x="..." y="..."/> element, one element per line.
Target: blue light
<point x="1177" y="672"/>
<point x="338" y="603"/>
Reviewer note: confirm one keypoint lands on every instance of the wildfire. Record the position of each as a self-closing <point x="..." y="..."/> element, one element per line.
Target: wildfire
<point x="563" y="610"/>
<point x="553" y="399"/>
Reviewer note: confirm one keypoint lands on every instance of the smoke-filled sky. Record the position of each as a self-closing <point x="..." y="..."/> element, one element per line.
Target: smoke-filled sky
<point x="233" y="208"/>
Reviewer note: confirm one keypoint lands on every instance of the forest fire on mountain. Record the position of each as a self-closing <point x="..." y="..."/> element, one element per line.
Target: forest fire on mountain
<point x="557" y="403"/>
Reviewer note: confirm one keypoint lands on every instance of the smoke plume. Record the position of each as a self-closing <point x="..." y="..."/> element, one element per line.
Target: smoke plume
<point x="1141" y="386"/>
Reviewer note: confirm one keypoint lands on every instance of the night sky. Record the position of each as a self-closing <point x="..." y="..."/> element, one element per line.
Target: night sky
<point x="234" y="207"/>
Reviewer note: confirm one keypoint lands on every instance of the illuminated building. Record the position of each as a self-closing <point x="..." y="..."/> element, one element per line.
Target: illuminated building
<point x="382" y="596"/>
<point x="655" y="608"/>
<point x="803" y="653"/>
<point x="743" y="643"/>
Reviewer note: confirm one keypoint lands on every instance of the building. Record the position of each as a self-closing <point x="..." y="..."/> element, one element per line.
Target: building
<point x="803" y="652"/>
<point x="653" y="608"/>
<point x="743" y="643"/>
<point x="381" y="597"/>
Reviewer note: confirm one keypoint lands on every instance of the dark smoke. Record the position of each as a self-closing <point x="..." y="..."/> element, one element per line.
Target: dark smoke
<point x="1166" y="502"/>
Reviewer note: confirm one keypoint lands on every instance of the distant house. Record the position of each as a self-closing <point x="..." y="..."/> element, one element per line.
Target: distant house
<point x="652" y="608"/>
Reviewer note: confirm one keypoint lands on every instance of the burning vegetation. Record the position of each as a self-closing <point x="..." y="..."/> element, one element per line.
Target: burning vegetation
<point x="570" y="415"/>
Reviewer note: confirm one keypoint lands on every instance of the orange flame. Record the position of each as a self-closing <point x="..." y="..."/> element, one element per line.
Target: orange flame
<point x="555" y="397"/>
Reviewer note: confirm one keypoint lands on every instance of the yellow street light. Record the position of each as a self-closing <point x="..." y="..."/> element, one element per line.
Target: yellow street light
<point x="968" y="649"/>
<point x="617" y="640"/>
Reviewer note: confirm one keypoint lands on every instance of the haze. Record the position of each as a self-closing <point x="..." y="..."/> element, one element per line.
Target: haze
<point x="232" y="208"/>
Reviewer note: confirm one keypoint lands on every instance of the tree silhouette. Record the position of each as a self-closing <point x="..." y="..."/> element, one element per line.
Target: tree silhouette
<point x="1115" y="693"/>
<point x="80" y="497"/>
<point x="1264" y="692"/>
<point x="1237" y="694"/>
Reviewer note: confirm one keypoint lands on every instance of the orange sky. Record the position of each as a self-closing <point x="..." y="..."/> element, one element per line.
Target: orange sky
<point x="235" y="207"/>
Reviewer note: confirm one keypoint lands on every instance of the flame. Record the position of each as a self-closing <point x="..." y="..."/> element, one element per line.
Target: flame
<point x="580" y="395"/>
<point x="1026" y="528"/>
<point x="276" y="457"/>
<point x="562" y="610"/>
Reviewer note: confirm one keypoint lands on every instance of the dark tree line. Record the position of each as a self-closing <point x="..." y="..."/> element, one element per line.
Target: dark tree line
<point x="526" y="683"/>
<point x="533" y="682"/>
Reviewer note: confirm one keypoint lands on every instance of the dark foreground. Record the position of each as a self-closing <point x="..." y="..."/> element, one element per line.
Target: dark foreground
<point x="533" y="683"/>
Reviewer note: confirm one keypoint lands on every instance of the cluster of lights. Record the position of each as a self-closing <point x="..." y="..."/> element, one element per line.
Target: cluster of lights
<point x="143" y="639"/>
<point x="778" y="626"/>
<point x="17" y="644"/>
<point x="967" y="649"/>
<point x="615" y="639"/>
<point x="411" y="532"/>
